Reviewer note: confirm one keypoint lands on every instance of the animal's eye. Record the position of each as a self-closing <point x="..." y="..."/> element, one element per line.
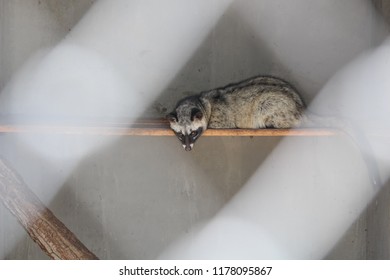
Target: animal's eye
<point x="193" y="133"/>
<point x="179" y="135"/>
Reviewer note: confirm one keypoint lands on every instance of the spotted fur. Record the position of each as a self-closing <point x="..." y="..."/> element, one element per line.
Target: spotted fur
<point x="259" y="102"/>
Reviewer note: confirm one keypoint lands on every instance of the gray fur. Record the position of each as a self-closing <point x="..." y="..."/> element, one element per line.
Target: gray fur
<point x="259" y="102"/>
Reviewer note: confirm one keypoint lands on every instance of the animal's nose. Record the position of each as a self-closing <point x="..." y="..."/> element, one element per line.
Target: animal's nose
<point x="188" y="148"/>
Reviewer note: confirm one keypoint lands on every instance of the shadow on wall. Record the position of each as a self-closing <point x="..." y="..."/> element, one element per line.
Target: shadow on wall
<point x="67" y="13"/>
<point x="383" y="7"/>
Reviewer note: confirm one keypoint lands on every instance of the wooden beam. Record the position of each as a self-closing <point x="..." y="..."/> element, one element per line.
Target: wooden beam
<point x="54" y="238"/>
<point x="148" y="127"/>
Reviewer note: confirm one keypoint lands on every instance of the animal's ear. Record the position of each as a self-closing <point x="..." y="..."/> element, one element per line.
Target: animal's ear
<point x="172" y="117"/>
<point x="196" y="114"/>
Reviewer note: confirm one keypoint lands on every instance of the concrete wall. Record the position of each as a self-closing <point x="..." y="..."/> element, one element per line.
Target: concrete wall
<point x="134" y="196"/>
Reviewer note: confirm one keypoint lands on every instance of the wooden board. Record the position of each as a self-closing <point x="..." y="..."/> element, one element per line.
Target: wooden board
<point x="141" y="127"/>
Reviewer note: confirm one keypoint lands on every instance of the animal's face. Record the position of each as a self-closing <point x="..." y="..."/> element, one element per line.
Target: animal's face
<point x="188" y="125"/>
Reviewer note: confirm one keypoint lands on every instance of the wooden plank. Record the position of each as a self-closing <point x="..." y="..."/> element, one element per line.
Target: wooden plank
<point x="140" y="127"/>
<point x="159" y="131"/>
